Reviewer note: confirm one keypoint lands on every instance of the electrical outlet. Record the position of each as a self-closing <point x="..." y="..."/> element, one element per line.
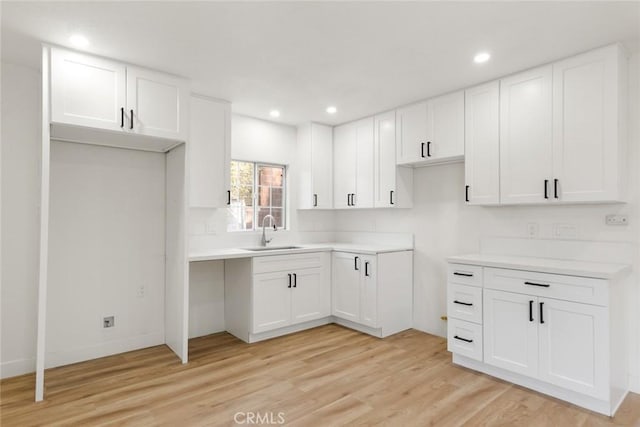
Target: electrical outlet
<point x="141" y="291"/>
<point x="616" y="220"/>
<point x="108" y="322"/>
<point x="533" y="229"/>
<point x="211" y="227"/>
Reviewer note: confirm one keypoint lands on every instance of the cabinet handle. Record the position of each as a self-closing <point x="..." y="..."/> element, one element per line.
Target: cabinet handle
<point x="542" y="285"/>
<point x="422" y="150"/>
<point x="455" y="273"/>
<point x="353" y="199"/>
<point x="228" y="197"/>
<point x="349" y="199"/>
<point x="462" y="339"/>
<point x="428" y="148"/>
<point x="295" y="280"/>
<point x="530" y="310"/>
<point x="555" y="188"/>
<point x="391" y="197"/>
<point x="122" y="117"/>
<point x="462" y="303"/>
<point x="366" y="268"/>
<point x="315" y="200"/>
<point x="541" y="318"/>
<point x="466" y="193"/>
<point x="289" y="280"/>
<point x="546" y="188"/>
<point x="131" y="127"/>
<point x="355" y="263"/>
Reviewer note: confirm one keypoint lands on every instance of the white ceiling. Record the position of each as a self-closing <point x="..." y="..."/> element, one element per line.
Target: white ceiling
<point x="300" y="57"/>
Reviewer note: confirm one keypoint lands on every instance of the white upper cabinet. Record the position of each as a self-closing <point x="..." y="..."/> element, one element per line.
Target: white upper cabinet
<point x="445" y="128"/>
<point x="97" y="93"/>
<point x="87" y="91"/>
<point x="482" y="144"/>
<point x="525" y="137"/>
<point x="431" y="131"/>
<point x="587" y="114"/>
<point x="353" y="164"/>
<point x="315" y="166"/>
<point x="209" y="152"/>
<point x="411" y="131"/>
<point x="157" y="104"/>
<point x="393" y="185"/>
<point x="344" y="160"/>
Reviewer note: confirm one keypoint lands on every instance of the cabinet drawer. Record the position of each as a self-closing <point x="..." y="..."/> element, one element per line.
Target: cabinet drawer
<point x="273" y="263"/>
<point x="465" y="274"/>
<point x="464" y="302"/>
<point x="570" y="288"/>
<point x="464" y="338"/>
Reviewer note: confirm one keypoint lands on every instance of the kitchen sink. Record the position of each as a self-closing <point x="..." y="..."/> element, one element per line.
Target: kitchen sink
<point x="272" y="248"/>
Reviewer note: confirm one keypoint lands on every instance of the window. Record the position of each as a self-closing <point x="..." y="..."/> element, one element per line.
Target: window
<point x="257" y="190"/>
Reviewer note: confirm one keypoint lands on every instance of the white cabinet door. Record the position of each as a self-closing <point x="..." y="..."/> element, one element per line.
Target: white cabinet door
<point x="411" y="133"/>
<point x="369" y="292"/>
<point x="322" y="166"/>
<point x="209" y="152"/>
<point x="158" y="104"/>
<point x="346" y="285"/>
<point x="445" y="127"/>
<point x="271" y="301"/>
<point x="526" y="137"/>
<point x="87" y="91"/>
<point x="363" y="197"/>
<point x="310" y="295"/>
<point x="482" y="144"/>
<point x="344" y="163"/>
<point x="385" y="160"/>
<point x="511" y="331"/>
<point x="573" y="346"/>
<point x="585" y="126"/>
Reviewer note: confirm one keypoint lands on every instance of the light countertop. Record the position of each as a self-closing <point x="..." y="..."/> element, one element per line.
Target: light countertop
<point x="229" y="253"/>
<point x="546" y="265"/>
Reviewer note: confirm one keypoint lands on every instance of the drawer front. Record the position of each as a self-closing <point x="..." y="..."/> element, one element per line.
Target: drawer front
<point x="465" y="274"/>
<point x="274" y="263"/>
<point x="464" y="302"/>
<point x="464" y="338"/>
<point x="569" y="288"/>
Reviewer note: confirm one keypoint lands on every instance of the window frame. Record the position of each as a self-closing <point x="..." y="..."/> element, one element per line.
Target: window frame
<point x="255" y="192"/>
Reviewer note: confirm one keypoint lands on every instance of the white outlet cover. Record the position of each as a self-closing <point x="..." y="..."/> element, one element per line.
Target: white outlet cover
<point x="616" y="219"/>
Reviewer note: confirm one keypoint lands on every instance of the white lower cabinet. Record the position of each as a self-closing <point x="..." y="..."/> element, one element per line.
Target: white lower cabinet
<point x="557" y="334"/>
<point x="373" y="293"/>
<point x="274" y="295"/>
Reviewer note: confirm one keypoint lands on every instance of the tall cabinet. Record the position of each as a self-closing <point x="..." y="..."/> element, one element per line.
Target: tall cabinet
<point x="91" y="102"/>
<point x="353" y="164"/>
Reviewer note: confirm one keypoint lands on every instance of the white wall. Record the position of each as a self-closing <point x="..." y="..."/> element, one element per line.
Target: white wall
<point x="20" y="219"/>
<point x="106" y="242"/>
<point x="444" y="226"/>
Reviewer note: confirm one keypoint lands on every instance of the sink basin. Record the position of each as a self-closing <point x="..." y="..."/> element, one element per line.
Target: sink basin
<point x="272" y="248"/>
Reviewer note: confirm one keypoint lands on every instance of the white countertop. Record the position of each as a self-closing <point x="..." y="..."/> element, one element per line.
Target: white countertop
<point x="229" y="253"/>
<point x="547" y="265"/>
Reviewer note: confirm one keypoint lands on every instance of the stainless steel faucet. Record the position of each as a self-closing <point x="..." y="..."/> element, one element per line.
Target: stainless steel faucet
<point x="264" y="234"/>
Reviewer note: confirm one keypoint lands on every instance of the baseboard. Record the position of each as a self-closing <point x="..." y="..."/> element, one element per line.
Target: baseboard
<point x="109" y="348"/>
<point x="13" y="368"/>
<point x="376" y="332"/>
<point x="287" y="330"/>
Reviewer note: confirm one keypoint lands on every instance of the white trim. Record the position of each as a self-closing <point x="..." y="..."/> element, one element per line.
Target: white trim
<point x="13" y="368"/>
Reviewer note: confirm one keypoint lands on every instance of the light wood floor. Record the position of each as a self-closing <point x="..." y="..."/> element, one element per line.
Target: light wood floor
<point x="328" y="376"/>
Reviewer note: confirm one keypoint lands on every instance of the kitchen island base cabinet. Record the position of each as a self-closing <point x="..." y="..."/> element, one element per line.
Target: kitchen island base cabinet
<point x="373" y="293"/>
<point x="276" y="295"/>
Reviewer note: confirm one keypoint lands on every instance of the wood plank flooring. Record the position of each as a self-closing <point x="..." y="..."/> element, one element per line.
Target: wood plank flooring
<point x="328" y="376"/>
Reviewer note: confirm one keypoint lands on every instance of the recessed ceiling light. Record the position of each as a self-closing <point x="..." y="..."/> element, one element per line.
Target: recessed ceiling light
<point x="332" y="110"/>
<point x="274" y="113"/>
<point x="78" y="40"/>
<point x="481" y="57"/>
